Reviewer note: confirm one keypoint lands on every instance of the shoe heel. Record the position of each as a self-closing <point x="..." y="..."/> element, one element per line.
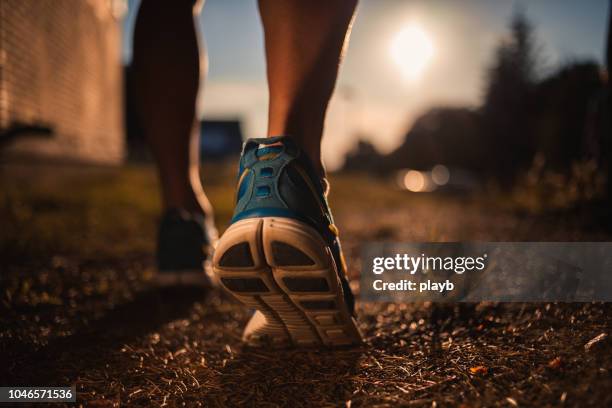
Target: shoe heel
<point x="304" y="269"/>
<point x="284" y="269"/>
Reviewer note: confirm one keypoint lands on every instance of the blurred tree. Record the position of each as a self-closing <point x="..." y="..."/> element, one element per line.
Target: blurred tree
<point x="507" y="108"/>
<point x="365" y="157"/>
<point x="442" y="135"/>
<point x="568" y="111"/>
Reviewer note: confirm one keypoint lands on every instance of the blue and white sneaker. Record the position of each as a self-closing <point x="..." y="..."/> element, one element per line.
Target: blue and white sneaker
<point x="281" y="254"/>
<point x="185" y="244"/>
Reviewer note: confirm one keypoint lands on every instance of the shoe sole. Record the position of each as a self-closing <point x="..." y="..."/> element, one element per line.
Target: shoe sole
<point x="284" y="269"/>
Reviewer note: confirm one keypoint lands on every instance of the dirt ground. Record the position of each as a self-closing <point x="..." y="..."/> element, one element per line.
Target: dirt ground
<point x="76" y="306"/>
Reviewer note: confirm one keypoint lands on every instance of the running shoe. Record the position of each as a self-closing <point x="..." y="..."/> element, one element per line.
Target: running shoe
<point x="281" y="254"/>
<point x="184" y="249"/>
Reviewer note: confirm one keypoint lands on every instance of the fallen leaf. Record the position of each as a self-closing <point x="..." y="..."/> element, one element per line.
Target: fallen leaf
<point x="512" y="401"/>
<point x="555" y="363"/>
<point x="479" y="370"/>
<point x="595" y="340"/>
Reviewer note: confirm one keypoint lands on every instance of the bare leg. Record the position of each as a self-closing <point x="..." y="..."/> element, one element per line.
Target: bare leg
<point x="304" y="43"/>
<point x="166" y="80"/>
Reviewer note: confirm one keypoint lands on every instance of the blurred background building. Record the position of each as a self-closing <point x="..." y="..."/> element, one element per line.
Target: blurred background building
<point x="220" y="139"/>
<point x="61" y="79"/>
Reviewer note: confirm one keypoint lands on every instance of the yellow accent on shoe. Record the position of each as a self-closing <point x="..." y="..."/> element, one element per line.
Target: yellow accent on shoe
<point x="268" y="156"/>
<point x="334" y="229"/>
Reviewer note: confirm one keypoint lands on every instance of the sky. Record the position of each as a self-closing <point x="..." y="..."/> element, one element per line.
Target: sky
<point x="375" y="99"/>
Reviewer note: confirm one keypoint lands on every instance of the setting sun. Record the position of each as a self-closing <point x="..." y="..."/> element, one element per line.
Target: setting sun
<point x="412" y="49"/>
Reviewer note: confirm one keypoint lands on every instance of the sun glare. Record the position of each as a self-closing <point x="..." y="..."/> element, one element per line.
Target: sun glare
<point x="411" y="50"/>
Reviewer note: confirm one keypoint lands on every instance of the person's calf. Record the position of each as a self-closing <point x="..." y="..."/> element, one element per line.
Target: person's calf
<point x="302" y="66"/>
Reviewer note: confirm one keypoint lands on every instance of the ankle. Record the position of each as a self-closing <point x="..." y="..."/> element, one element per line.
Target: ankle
<point x="190" y="198"/>
<point x="312" y="151"/>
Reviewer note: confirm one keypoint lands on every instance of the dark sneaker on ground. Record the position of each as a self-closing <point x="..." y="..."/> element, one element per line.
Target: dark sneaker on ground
<point x="281" y="254"/>
<point x="184" y="249"/>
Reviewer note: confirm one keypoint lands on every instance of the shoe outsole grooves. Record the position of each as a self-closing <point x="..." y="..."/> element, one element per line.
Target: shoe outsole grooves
<point x="285" y="270"/>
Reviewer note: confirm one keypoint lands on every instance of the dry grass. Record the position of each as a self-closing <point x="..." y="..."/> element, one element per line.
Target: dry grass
<point x="76" y="308"/>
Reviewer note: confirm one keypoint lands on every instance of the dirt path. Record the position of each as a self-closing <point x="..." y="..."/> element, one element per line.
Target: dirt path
<point x="75" y="307"/>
